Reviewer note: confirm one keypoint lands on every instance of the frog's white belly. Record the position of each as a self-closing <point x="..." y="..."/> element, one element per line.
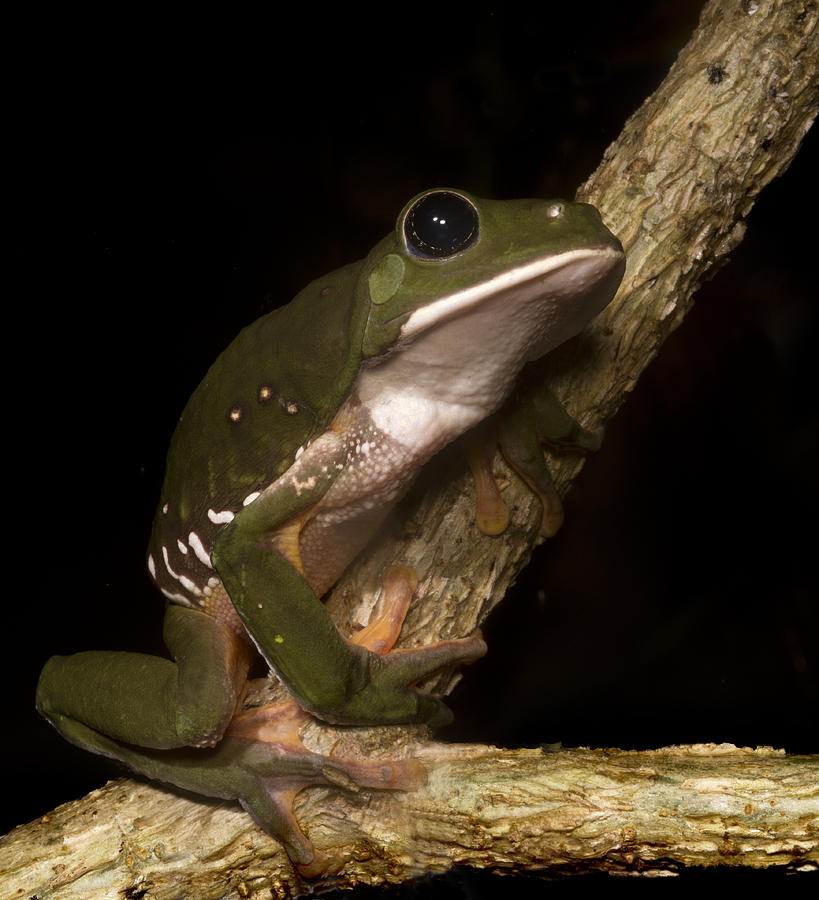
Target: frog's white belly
<point x="386" y="447"/>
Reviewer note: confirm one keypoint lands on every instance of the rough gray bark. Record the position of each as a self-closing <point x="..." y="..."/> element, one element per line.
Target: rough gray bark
<point x="676" y="187"/>
<point x="652" y="812"/>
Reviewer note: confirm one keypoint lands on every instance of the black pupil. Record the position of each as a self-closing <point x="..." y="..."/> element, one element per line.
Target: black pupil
<point x="441" y="224"/>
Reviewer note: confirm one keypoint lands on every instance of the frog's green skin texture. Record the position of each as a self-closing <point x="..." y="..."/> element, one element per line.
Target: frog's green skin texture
<point x="302" y="436"/>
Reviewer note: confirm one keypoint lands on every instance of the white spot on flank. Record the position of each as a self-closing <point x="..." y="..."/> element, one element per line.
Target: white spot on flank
<point x="299" y="451"/>
<point x="164" y="509"/>
<point x="189" y="585"/>
<point x="167" y="564"/>
<point x="199" y="549"/>
<point x="177" y="598"/>
<point x="220" y="518"/>
<point x="250" y="498"/>
<point x="182" y="547"/>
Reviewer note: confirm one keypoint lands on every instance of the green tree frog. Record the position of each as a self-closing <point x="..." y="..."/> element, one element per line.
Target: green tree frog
<point x="302" y="436"/>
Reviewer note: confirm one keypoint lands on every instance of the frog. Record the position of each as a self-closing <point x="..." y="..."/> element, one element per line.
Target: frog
<point x="302" y="437"/>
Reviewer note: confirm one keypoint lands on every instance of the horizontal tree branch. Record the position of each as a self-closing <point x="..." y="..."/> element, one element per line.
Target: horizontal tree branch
<point x="653" y="812"/>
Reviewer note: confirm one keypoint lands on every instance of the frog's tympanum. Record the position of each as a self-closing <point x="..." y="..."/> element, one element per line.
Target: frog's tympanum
<point x="303" y="435"/>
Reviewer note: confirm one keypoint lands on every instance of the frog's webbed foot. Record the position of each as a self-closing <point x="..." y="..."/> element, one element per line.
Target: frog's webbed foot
<point x="533" y="419"/>
<point x="266" y="741"/>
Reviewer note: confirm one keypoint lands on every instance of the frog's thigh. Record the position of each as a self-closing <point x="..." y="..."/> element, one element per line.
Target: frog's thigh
<point x="146" y="700"/>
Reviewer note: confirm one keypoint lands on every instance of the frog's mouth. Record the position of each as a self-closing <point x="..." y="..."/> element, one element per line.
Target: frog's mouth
<point x="578" y="284"/>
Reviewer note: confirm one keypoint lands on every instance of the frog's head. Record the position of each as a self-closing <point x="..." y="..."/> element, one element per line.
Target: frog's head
<point x="541" y="268"/>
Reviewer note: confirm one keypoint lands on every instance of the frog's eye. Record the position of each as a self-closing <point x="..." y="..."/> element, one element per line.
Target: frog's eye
<point x="440" y="224"/>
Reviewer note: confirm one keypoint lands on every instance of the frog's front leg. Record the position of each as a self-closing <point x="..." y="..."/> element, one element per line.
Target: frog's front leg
<point x="533" y="418"/>
<point x="332" y="677"/>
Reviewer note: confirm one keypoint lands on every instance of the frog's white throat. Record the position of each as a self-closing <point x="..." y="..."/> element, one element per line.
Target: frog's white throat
<point x="573" y="274"/>
<point x="458" y="357"/>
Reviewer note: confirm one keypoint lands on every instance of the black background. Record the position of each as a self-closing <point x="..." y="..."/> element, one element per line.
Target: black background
<point x="678" y="604"/>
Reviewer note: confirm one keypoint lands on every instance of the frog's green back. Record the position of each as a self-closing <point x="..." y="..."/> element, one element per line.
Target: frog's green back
<point x="272" y="389"/>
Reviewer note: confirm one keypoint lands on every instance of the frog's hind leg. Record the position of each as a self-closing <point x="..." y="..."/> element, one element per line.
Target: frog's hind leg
<point x="146" y="700"/>
<point x="539" y="418"/>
